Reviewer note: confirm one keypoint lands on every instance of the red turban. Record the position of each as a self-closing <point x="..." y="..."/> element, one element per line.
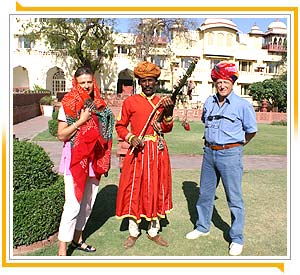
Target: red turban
<point x="146" y="69"/>
<point x="225" y="70"/>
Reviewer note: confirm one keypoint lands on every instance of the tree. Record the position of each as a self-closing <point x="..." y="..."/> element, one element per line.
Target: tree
<point x="274" y="90"/>
<point x="153" y="34"/>
<point x="87" y="40"/>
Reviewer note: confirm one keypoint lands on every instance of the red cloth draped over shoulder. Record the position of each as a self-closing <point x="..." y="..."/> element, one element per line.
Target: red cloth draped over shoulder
<point x="88" y="144"/>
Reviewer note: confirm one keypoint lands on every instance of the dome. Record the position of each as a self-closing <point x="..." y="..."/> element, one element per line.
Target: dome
<point x="277" y="27"/>
<point x="255" y="30"/>
<point x="218" y="23"/>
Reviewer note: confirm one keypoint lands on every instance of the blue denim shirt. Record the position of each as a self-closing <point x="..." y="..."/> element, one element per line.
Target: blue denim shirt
<point x="228" y="123"/>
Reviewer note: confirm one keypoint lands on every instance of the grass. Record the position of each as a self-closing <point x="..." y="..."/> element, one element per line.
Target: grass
<point x="265" y="194"/>
<point x="269" y="140"/>
<point x="44" y="136"/>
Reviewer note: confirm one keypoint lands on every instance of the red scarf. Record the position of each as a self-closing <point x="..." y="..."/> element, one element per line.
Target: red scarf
<point x="89" y="144"/>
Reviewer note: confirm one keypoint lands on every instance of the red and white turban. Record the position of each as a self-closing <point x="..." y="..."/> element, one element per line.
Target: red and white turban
<point x="224" y="70"/>
<point x="146" y="69"/>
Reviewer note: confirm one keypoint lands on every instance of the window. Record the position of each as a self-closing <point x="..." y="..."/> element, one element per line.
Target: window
<point x="214" y="62"/>
<point x="185" y="62"/>
<point x="245" y="89"/>
<point x="272" y="68"/>
<point x="210" y="38"/>
<point x="245" y="66"/>
<point x="220" y="41"/>
<point x="122" y="49"/>
<point x="24" y="43"/>
<point x="159" y="60"/>
<point x="161" y="84"/>
<point x="59" y="82"/>
<point x="229" y="40"/>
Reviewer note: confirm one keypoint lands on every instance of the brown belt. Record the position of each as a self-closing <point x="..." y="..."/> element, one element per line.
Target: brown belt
<point x="222" y="147"/>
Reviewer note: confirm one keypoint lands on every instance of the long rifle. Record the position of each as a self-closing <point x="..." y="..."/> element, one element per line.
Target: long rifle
<point x="175" y="92"/>
<point x="180" y="84"/>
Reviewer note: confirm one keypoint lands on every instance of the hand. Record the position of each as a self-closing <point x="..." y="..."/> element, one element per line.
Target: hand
<point x="85" y="115"/>
<point x="136" y="142"/>
<point x="167" y="102"/>
<point x="177" y="82"/>
<point x="168" y="106"/>
<point x="156" y="126"/>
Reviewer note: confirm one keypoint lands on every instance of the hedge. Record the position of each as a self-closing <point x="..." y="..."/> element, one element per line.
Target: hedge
<point x="38" y="194"/>
<point x="36" y="213"/>
<point x="32" y="167"/>
<point x="53" y="124"/>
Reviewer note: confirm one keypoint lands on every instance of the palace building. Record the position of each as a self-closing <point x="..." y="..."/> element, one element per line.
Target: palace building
<point x="257" y="54"/>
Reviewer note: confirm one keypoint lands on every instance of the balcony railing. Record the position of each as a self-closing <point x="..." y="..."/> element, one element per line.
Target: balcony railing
<point x="274" y="48"/>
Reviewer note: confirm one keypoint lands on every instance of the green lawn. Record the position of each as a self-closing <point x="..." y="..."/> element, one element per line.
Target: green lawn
<point x="265" y="194"/>
<point x="269" y="140"/>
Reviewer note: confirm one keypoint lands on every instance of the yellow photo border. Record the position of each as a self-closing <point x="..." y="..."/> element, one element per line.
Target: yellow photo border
<point x="228" y="264"/>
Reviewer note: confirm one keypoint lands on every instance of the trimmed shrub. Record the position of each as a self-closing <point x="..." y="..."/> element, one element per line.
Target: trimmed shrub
<point x="36" y="213"/>
<point x="282" y="123"/>
<point x="53" y="124"/>
<point x="32" y="167"/>
<point x="52" y="127"/>
<point x="55" y="114"/>
<point x="46" y="100"/>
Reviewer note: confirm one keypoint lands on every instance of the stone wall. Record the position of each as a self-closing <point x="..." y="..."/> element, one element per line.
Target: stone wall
<point x="195" y="115"/>
<point x="115" y="103"/>
<point x="26" y="106"/>
<point x="261" y="117"/>
<point x="269" y="117"/>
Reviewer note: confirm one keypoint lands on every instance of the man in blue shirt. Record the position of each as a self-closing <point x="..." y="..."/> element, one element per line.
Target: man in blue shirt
<point x="230" y="123"/>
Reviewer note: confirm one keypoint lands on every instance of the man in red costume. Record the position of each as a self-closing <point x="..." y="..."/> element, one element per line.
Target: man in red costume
<point x="145" y="187"/>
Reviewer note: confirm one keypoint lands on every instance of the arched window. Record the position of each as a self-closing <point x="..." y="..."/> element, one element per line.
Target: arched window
<point x="210" y="38"/>
<point x="59" y="82"/>
<point x="220" y="42"/>
<point x="229" y="40"/>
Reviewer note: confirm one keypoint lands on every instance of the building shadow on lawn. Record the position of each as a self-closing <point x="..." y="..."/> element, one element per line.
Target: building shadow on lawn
<point x="104" y="208"/>
<point x="191" y="192"/>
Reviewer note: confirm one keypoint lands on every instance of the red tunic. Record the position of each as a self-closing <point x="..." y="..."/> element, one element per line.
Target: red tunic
<point x="145" y="187"/>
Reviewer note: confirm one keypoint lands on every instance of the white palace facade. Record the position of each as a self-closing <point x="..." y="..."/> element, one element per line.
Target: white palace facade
<point x="257" y="55"/>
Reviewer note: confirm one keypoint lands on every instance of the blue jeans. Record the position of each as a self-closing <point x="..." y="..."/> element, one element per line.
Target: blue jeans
<point x="228" y="165"/>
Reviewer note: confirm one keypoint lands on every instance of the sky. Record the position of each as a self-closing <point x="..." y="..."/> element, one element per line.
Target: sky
<point x="244" y="24"/>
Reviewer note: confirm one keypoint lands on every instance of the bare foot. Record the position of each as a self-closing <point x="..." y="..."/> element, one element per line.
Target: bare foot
<point x="62" y="249"/>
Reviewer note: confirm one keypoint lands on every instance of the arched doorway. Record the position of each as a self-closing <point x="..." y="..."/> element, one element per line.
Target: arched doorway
<point x="56" y="81"/>
<point x="59" y="82"/>
<point x="125" y="84"/>
<point x="20" y="79"/>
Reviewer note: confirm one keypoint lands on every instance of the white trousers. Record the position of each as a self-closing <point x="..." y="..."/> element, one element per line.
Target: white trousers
<point x="134" y="230"/>
<point x="75" y="214"/>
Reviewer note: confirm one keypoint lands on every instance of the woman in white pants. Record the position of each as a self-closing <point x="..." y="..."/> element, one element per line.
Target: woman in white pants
<point x="85" y="155"/>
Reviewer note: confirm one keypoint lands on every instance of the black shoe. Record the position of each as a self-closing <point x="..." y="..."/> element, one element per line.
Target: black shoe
<point x="83" y="246"/>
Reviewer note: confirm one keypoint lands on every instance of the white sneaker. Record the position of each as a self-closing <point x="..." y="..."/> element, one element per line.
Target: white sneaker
<point x="235" y="249"/>
<point x="195" y="234"/>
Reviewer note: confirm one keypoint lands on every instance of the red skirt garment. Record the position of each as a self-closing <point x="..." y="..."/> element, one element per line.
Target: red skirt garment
<point x="145" y="187"/>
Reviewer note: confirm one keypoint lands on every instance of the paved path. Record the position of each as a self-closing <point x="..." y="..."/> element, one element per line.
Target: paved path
<point x="30" y="128"/>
